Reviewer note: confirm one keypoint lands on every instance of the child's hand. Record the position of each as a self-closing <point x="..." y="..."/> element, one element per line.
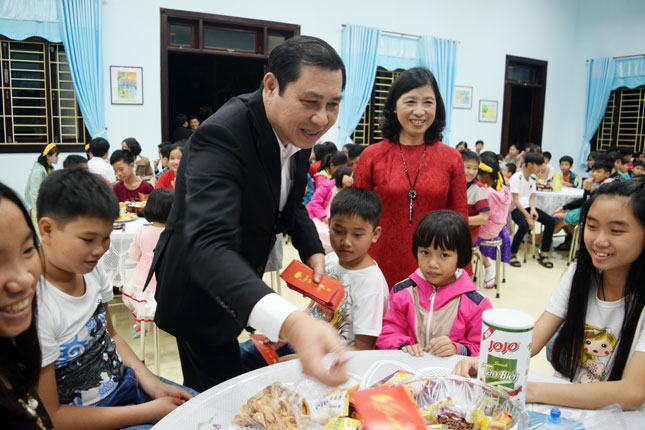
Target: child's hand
<point x="414" y="350"/>
<point x="159" y="408"/>
<point x="161" y="389"/>
<point x="466" y="367"/>
<point x="442" y="346"/>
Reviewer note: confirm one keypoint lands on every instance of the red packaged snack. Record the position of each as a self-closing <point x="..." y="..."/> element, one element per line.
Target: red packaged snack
<point x="300" y="277"/>
<point x="267" y="351"/>
<point x="386" y="408"/>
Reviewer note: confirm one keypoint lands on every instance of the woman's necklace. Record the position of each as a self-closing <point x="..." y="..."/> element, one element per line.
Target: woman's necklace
<point x="412" y="194"/>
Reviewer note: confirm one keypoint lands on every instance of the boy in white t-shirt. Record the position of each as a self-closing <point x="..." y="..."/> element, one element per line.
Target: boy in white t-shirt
<point x="522" y="187"/>
<point x="85" y="363"/>
<point x="99" y="164"/>
<point x="353" y="227"/>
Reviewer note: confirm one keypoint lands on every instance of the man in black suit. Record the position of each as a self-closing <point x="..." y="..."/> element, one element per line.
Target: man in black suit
<point x="240" y="182"/>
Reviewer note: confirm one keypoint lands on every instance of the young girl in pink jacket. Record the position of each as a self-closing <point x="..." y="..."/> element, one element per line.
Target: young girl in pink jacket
<point x="437" y="309"/>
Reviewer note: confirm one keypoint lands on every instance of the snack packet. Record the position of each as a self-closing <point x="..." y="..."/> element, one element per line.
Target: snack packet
<point x="342" y="423"/>
<point x="333" y="404"/>
<point x="276" y="407"/>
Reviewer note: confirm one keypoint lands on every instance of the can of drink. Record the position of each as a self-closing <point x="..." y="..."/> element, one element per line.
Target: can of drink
<point x="505" y="351"/>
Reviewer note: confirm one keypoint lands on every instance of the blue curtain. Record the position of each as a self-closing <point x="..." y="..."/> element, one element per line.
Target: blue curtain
<point x="358" y="51"/>
<point x="600" y="79"/>
<point x="630" y="73"/>
<point x="22" y="19"/>
<point x="397" y="52"/>
<point x="80" y="26"/>
<point x="440" y="57"/>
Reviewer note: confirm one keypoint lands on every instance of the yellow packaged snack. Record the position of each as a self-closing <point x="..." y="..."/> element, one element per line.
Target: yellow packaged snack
<point x="342" y="423"/>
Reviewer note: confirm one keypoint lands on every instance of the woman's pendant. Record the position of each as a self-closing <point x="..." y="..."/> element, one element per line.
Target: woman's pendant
<point x="412" y="195"/>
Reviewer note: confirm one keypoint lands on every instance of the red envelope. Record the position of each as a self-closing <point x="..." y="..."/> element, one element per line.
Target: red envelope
<point x="267" y="351"/>
<point x="328" y="292"/>
<point x="386" y="408"/>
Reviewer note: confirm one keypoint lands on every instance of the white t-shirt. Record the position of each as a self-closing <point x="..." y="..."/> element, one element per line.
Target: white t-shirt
<point x="73" y="335"/>
<point x="365" y="303"/>
<point x="602" y="329"/>
<point x="519" y="185"/>
<point x="103" y="168"/>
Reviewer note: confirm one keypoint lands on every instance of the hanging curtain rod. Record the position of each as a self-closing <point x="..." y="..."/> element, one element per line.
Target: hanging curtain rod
<point x="624" y="57"/>
<point x="414" y="36"/>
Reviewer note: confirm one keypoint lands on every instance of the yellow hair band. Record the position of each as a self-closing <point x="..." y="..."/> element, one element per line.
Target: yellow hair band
<point x="485" y="168"/>
<point x="87" y="147"/>
<point x="48" y="148"/>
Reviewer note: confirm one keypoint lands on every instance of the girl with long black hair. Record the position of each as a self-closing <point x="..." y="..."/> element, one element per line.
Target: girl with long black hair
<point x="43" y="166"/>
<point x="20" y="267"/>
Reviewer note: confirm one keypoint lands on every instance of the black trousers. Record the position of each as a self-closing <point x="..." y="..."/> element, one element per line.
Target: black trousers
<point x="523" y="227"/>
<point x="205" y="366"/>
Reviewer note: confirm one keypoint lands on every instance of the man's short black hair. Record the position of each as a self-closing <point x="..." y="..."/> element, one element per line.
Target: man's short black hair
<point x="567" y="159"/>
<point x="339" y="173"/>
<point x="159" y="204"/>
<point x="444" y="229"/>
<point x="121" y="155"/>
<point x="357" y="202"/>
<point x="534" y="157"/>
<point x="603" y="163"/>
<point x="511" y="167"/>
<point x="286" y="60"/>
<point x="73" y="160"/>
<point x="99" y="146"/>
<point x="133" y="145"/>
<point x="547" y="154"/>
<point x="479" y="142"/>
<point x="164" y="149"/>
<point x="639" y="163"/>
<point x="192" y="117"/>
<point x="355" y="151"/>
<point x="468" y="155"/>
<point x="180" y="119"/>
<point x="71" y="193"/>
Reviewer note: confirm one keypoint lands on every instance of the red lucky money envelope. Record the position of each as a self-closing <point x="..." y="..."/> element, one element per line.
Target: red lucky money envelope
<point x="300" y="277"/>
<point x="387" y="408"/>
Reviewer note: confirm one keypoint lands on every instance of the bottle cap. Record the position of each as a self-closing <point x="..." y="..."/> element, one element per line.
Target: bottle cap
<point x="554" y="417"/>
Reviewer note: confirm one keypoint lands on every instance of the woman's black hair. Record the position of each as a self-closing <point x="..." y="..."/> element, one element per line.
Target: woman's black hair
<point x="20" y="357"/>
<point x="444" y="229"/>
<point x="179" y="146"/>
<point x="568" y="344"/>
<point x="159" y="204"/>
<point x="340" y="173"/>
<point x="355" y="151"/>
<point x="407" y="81"/>
<point x="133" y="146"/>
<point x="337" y="158"/>
<point x="42" y="159"/>
<point x="489" y="158"/>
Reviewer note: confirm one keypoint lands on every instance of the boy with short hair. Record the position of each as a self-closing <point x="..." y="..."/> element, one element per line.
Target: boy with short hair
<point x="130" y="187"/>
<point x="98" y="164"/>
<point x="522" y="185"/>
<point x="84" y="361"/>
<point x="546" y="171"/>
<point x="479" y="145"/>
<point x="639" y="168"/>
<point x="478" y="206"/>
<point x="353" y="228"/>
<point x="508" y="170"/>
<point x="164" y="155"/>
<point x="569" y="178"/>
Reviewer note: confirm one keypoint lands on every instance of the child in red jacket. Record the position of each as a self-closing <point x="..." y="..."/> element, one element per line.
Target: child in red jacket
<point x="437" y="309"/>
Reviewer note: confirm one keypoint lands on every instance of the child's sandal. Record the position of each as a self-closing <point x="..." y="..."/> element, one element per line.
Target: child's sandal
<point x="543" y="260"/>
<point x="514" y="262"/>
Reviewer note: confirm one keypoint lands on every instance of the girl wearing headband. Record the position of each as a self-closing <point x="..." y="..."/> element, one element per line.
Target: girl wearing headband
<point x="43" y="166"/>
<point x="499" y="199"/>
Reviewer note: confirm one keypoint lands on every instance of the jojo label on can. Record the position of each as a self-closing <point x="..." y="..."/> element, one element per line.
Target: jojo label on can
<point x="505" y="350"/>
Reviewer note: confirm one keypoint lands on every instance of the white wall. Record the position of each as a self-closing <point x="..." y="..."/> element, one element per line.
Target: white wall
<point x="564" y="33"/>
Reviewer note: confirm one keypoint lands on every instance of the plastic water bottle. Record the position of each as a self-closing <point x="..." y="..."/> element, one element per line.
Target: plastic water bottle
<point x="553" y="421"/>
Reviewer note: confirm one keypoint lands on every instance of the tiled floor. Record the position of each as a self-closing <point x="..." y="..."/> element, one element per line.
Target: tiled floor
<point x="527" y="289"/>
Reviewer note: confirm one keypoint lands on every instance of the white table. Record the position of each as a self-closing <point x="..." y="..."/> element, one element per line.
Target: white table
<point x="223" y="402"/>
<point x="116" y="260"/>
<point x="549" y="201"/>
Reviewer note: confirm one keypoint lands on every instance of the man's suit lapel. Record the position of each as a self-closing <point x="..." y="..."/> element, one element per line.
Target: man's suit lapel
<point x="266" y="145"/>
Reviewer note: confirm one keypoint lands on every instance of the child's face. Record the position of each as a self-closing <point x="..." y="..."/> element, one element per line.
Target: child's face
<point x="485" y="178"/>
<point x="613" y="236"/>
<point x="174" y="159"/>
<point x="348" y="181"/>
<point x="565" y="166"/>
<point x="506" y="172"/>
<point x="641" y="157"/>
<point x="351" y="237"/>
<point x="638" y="170"/>
<point x="19" y="270"/>
<point x="590" y="162"/>
<point x="513" y="151"/>
<point x="599" y="175"/>
<point x="437" y="265"/>
<point x="123" y="170"/>
<point x="478" y="146"/>
<point x="472" y="168"/>
<point x="533" y="168"/>
<point x="77" y="246"/>
<point x="624" y="167"/>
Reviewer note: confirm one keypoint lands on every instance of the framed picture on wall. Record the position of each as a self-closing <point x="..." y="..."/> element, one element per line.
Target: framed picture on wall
<point x="126" y="85"/>
<point x="487" y="111"/>
<point x="463" y="97"/>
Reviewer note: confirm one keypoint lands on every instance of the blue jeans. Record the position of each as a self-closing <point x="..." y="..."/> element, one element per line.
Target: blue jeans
<point x="129" y="393"/>
<point x="252" y="359"/>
